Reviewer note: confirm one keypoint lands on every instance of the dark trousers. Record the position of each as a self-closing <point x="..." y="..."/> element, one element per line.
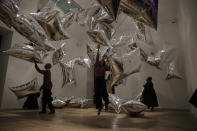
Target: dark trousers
<point x="100" y="92"/>
<point x="47" y="100"/>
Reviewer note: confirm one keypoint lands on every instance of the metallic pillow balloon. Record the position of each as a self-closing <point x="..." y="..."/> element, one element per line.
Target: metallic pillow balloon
<point x="51" y="23"/>
<point x="141" y="10"/>
<point x="111" y="7"/>
<point x="172" y="72"/>
<point x="57" y="103"/>
<point x="68" y="73"/>
<point x="26" y="89"/>
<point x="68" y="19"/>
<point x="29" y="28"/>
<point x="116" y="102"/>
<point x="83" y="61"/>
<point x="28" y="52"/>
<point x="133" y="107"/>
<point x="8" y="10"/>
<point x="97" y="37"/>
<point x="107" y="28"/>
<point x="67" y="99"/>
<point x="78" y="103"/>
<point x="58" y="55"/>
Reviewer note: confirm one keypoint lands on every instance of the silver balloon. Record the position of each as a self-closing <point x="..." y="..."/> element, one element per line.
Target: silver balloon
<point x="57" y="103"/>
<point x="153" y="59"/>
<point x="172" y="72"/>
<point x="28" y="52"/>
<point x="68" y="73"/>
<point x="133" y="107"/>
<point x="78" y="103"/>
<point x="98" y="37"/>
<point x="58" y="55"/>
<point x="52" y="24"/>
<point x="29" y="28"/>
<point x="116" y="102"/>
<point x="67" y="99"/>
<point x="26" y="89"/>
<point x="111" y="7"/>
<point x="68" y="18"/>
<point x="8" y="10"/>
<point x="84" y="61"/>
<point x="106" y="28"/>
<point x="141" y="10"/>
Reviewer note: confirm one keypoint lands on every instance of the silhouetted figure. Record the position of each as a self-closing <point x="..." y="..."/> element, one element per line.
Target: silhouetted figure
<point x="31" y="101"/>
<point x="193" y="99"/>
<point x="100" y="83"/>
<point x="46" y="88"/>
<point x="149" y="96"/>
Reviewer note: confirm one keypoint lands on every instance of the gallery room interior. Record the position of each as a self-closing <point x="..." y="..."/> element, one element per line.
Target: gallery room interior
<point x="88" y="65"/>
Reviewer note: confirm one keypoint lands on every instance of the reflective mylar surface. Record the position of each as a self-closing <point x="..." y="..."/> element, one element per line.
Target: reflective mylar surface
<point x="133" y="107"/>
<point x="26" y="89"/>
<point x="28" y="52"/>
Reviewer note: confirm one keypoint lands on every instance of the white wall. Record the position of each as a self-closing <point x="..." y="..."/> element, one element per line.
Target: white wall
<point x="187" y="19"/>
<point x="171" y="94"/>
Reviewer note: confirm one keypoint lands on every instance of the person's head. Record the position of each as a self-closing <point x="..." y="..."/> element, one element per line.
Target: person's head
<point x="149" y="79"/>
<point x="47" y="66"/>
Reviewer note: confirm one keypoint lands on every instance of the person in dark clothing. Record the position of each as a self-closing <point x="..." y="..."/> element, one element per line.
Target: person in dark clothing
<point x="31" y="101"/>
<point x="100" y="83"/>
<point x="193" y="99"/>
<point x="46" y="88"/>
<point x="149" y="96"/>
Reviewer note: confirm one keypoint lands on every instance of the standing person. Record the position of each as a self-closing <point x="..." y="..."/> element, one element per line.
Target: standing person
<point x="149" y="96"/>
<point x="100" y="83"/>
<point x="46" y="87"/>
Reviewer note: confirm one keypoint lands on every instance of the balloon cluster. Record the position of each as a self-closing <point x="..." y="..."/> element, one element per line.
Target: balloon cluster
<point x="121" y="54"/>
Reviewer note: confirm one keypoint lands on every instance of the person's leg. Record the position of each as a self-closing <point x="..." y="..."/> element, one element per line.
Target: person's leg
<point x="44" y="103"/>
<point x="52" y="110"/>
<point x="105" y="96"/>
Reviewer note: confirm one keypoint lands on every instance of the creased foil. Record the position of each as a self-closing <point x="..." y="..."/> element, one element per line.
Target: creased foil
<point x="28" y="52"/>
<point x="26" y="89"/>
<point x="133" y="107"/>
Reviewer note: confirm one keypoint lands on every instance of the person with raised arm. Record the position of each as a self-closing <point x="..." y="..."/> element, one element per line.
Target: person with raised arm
<point x="100" y="83"/>
<point x="46" y="88"/>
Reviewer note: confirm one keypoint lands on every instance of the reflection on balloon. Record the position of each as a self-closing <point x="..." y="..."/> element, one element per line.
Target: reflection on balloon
<point x="26" y="89"/>
<point x="28" y="52"/>
<point x="133" y="107"/>
<point x="140" y="10"/>
<point x="172" y="72"/>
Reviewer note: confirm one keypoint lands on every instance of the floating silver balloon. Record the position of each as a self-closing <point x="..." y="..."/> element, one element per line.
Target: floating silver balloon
<point x="78" y="103"/>
<point x="58" y="55"/>
<point x="51" y="23"/>
<point x="58" y="103"/>
<point x="68" y="18"/>
<point x="141" y="10"/>
<point x="111" y="7"/>
<point x="8" y="10"/>
<point x="116" y="102"/>
<point x="172" y="72"/>
<point x="26" y="89"/>
<point x="29" y="28"/>
<point x="141" y="28"/>
<point x="68" y="73"/>
<point x="84" y="61"/>
<point x="92" y="52"/>
<point x="106" y="28"/>
<point x="98" y="37"/>
<point x="29" y="52"/>
<point x="133" y="107"/>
